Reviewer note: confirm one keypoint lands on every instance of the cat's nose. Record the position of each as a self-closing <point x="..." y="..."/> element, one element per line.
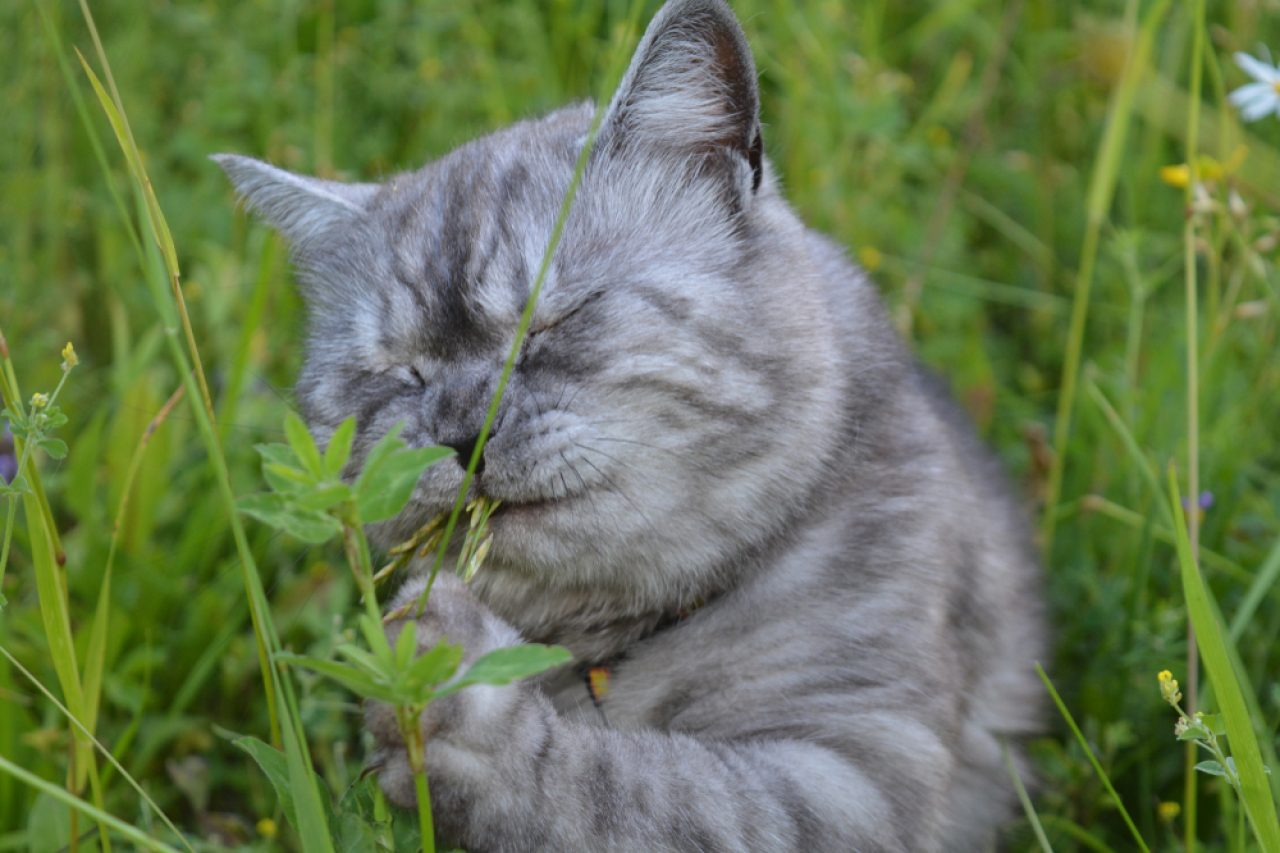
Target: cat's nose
<point x="464" y="447"/>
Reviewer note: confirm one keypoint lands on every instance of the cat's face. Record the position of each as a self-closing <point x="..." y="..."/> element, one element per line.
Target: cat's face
<point x="677" y="390"/>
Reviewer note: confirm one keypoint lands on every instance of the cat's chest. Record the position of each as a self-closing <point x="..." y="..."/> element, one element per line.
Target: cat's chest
<point x="662" y="683"/>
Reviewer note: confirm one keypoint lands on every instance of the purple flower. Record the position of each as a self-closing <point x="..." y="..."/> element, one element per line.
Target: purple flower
<point x="8" y="460"/>
<point x="1204" y="501"/>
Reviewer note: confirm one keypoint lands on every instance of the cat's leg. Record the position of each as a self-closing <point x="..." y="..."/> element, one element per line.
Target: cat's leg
<point x="508" y="773"/>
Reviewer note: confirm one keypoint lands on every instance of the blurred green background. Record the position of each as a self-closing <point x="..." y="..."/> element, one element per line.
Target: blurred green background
<point x="949" y="145"/>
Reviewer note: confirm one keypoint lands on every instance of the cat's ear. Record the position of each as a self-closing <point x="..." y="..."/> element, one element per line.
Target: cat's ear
<point x="691" y="86"/>
<point x="301" y="208"/>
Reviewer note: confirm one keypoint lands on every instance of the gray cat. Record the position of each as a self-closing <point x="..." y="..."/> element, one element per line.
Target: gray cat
<point x="724" y="482"/>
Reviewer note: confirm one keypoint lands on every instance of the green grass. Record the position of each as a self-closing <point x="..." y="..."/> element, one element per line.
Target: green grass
<point x="995" y="162"/>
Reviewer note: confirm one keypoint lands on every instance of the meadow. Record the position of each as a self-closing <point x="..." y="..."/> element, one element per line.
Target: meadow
<point x="1063" y="210"/>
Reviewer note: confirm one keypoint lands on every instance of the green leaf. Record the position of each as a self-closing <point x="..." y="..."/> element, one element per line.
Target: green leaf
<point x="503" y="666"/>
<point x="338" y="451"/>
<point x="435" y="665"/>
<point x="374" y="634"/>
<point x="367" y="661"/>
<point x="55" y="447"/>
<point x="385" y="487"/>
<point x="285" y="478"/>
<point x="275" y="766"/>
<point x="406" y="644"/>
<point x="304" y="446"/>
<point x="54" y="418"/>
<point x="278" y="454"/>
<point x="1213" y="768"/>
<point x="274" y="510"/>
<point x="1255" y="790"/>
<point x="310" y="797"/>
<point x="1214" y="723"/>
<point x="323" y="497"/>
<point x="48" y="825"/>
<point x="314" y="528"/>
<point x="350" y="677"/>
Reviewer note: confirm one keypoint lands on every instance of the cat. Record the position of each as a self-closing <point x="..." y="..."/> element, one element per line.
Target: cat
<point x="726" y="486"/>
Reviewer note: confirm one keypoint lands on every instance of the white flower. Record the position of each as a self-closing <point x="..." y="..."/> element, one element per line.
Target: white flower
<point x="1258" y="99"/>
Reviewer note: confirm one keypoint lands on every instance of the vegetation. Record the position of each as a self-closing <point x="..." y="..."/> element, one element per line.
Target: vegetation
<point x="1062" y="208"/>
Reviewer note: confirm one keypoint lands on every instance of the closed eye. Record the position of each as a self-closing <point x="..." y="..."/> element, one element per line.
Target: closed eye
<point x="410" y="375"/>
<point x="556" y="321"/>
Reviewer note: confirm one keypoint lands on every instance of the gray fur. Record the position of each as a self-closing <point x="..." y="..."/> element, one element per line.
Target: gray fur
<point x="712" y="407"/>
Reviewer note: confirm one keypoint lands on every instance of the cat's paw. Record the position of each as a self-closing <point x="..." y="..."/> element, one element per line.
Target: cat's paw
<point x="461" y="728"/>
<point x="453" y="614"/>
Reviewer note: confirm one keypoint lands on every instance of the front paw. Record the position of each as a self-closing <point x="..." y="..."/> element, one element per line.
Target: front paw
<point x="461" y="728"/>
<point x="452" y="613"/>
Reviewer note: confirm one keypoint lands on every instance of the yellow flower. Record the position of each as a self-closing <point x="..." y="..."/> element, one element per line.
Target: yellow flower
<point x="69" y="357"/>
<point x="39" y="400"/>
<point x="1168" y="810"/>
<point x="1207" y="169"/>
<point x="1176" y="176"/>
<point x="1168" y="687"/>
<point x="870" y="258"/>
<point x="267" y="828"/>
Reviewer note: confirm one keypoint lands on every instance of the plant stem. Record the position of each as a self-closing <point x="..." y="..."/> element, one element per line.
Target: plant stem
<point x="1193" y="396"/>
<point x="410" y="729"/>
<point x="356" y="547"/>
<point x="1102" y="184"/>
<point x="526" y="318"/>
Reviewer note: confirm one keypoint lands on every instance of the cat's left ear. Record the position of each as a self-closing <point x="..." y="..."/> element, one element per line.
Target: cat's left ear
<point x="691" y="88"/>
<point x="303" y="209"/>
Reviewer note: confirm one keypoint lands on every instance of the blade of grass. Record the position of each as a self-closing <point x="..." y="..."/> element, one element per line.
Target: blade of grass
<point x="80" y="805"/>
<point x="1130" y="445"/>
<point x="1263" y="581"/>
<point x="88" y="733"/>
<point x="51" y="593"/>
<point x="1167" y="533"/>
<point x="1102" y="184"/>
<point x="68" y="76"/>
<point x="1079" y="833"/>
<point x="95" y="661"/>
<point x="1136" y="521"/>
<point x="1027" y="809"/>
<point x="203" y="419"/>
<point x="1193" y="405"/>
<point x="614" y="76"/>
<point x="313" y="828"/>
<point x="250" y="326"/>
<point x="1255" y="791"/>
<point x="1093" y="759"/>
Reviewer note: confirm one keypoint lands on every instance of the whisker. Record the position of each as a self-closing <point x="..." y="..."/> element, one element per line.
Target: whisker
<point x="648" y="521"/>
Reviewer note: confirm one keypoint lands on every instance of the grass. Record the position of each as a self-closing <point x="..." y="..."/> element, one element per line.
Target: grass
<point x="997" y="165"/>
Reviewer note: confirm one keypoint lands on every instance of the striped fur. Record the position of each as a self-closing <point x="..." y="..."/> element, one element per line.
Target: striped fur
<point x="711" y="408"/>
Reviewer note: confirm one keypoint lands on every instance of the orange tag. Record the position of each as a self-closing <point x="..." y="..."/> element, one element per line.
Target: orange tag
<point x="598" y="683"/>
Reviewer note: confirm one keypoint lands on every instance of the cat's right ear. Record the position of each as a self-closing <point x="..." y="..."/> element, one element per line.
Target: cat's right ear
<point x="301" y="208"/>
<point x="691" y="88"/>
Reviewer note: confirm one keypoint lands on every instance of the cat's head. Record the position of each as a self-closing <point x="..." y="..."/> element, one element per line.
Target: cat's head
<point x="679" y="388"/>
